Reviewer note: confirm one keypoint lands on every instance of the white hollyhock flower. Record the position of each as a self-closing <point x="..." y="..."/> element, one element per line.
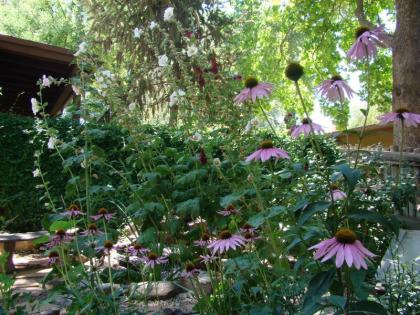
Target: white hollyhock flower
<point x="132" y="106"/>
<point x="175" y="96"/>
<point x="137" y="32"/>
<point x="46" y="81"/>
<point x="163" y="61"/>
<point x="108" y="74"/>
<point x="196" y="137"/>
<point x="52" y="141"/>
<point x="36" y="173"/>
<point x="35" y="106"/>
<point x="82" y="49"/>
<point x="168" y="14"/>
<point x="152" y="25"/>
<point x="192" y="51"/>
<point x="217" y="162"/>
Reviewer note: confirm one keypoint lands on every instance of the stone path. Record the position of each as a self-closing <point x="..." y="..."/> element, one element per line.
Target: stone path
<point x="31" y="270"/>
<point x="29" y="273"/>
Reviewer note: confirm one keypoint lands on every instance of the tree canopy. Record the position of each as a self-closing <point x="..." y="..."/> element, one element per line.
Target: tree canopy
<point x="205" y="44"/>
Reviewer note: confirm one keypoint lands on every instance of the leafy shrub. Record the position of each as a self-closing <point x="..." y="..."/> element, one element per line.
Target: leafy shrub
<point x="22" y="204"/>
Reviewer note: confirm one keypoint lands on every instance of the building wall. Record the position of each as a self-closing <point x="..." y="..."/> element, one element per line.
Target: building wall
<point x="373" y="135"/>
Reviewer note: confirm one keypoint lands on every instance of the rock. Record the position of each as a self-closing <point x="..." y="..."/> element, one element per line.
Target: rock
<point x="106" y="287"/>
<point x="169" y="311"/>
<point x="115" y="260"/>
<point x="50" y="312"/>
<point x="204" y="283"/>
<point x="156" y="290"/>
<point x="63" y="300"/>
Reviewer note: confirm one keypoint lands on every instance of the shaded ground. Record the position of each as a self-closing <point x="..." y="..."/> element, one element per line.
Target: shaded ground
<point x="31" y="269"/>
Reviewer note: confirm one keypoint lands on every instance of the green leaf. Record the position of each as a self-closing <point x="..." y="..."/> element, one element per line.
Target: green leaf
<point x="285" y="174"/>
<point x="189" y="207"/>
<point x="318" y="285"/>
<point x="297" y="240"/>
<point x="274" y="211"/>
<point x="376" y="218"/>
<point x="336" y="300"/>
<point x="41" y="240"/>
<point x="232" y="198"/>
<point x="311" y="209"/>
<point x="364" y="112"/>
<point x="190" y="178"/>
<point x="261" y="310"/>
<point x="351" y="175"/>
<point x="96" y="189"/>
<point x="357" y="277"/>
<point x="257" y="220"/>
<point x="301" y="204"/>
<point x="60" y="225"/>
<point x="148" y="236"/>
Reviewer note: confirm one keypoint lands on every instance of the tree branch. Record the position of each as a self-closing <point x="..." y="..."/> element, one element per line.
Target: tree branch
<point x="361" y="16"/>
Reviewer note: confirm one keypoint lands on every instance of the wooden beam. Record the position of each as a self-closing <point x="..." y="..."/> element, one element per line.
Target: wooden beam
<point x="33" y="49"/>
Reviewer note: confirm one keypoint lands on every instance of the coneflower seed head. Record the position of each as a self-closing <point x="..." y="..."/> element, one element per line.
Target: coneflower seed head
<point x="266" y="144"/>
<point x="345" y="236"/>
<point x="251" y="82"/>
<point x="294" y="71"/>
<point x="361" y="30"/>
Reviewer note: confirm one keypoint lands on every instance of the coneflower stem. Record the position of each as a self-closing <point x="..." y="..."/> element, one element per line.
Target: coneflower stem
<point x="314" y="143"/>
<point x="268" y="120"/>
<point x="366" y="113"/>
<point x="401" y="151"/>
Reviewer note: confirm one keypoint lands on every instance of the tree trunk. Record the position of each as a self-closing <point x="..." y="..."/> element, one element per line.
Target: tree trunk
<point x="406" y="64"/>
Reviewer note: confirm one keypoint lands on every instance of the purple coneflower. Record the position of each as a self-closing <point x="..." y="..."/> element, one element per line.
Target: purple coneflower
<point x="53" y="258"/>
<point x="73" y="211"/>
<point x="207" y="258"/>
<point x="152" y="260"/>
<point x="237" y="77"/>
<point x="251" y="237"/>
<point x="306" y="128"/>
<point x="253" y="90"/>
<point x="228" y="211"/>
<point x="103" y="213"/>
<point x="106" y="249"/>
<point x="266" y="152"/>
<point x="401" y="116"/>
<point x="138" y="250"/>
<point x="335" y="89"/>
<point x="122" y="248"/>
<point x="203" y="241"/>
<point x="337" y="194"/>
<point x="190" y="271"/>
<point x="225" y="242"/>
<point x="91" y="231"/>
<point x="345" y="247"/>
<point x="247" y="228"/>
<point x="61" y="237"/>
<point x="367" y="41"/>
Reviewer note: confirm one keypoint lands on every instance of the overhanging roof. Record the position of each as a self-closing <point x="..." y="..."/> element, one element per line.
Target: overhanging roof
<point x="22" y="64"/>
